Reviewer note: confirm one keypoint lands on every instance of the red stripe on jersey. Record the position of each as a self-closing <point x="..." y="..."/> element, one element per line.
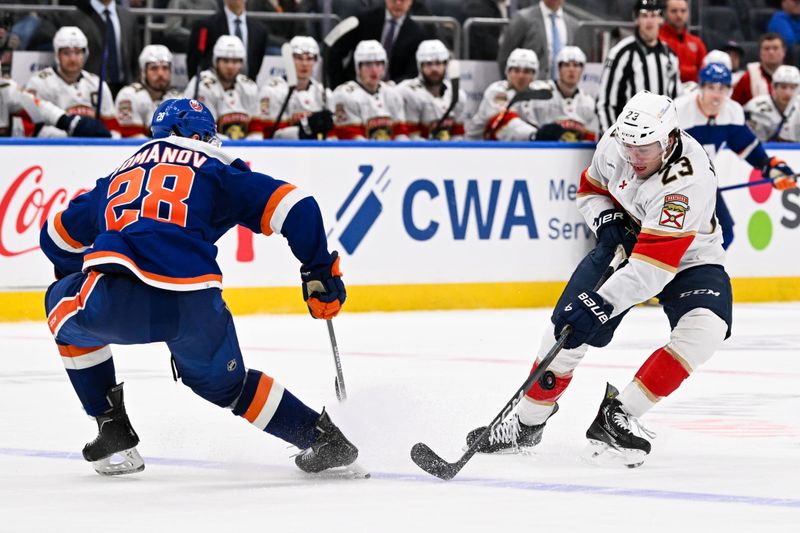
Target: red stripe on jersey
<point x="458" y="129"/>
<point x="399" y="128"/>
<point x="349" y="132"/>
<point x="111" y="123"/>
<point x="590" y="187"/>
<point x="666" y="249"/>
<point x="131" y="130"/>
<point x="497" y="123"/>
<point x="272" y="204"/>
<point x="661" y="374"/>
<point x="540" y="394"/>
<point x="415" y="127"/>
<point x="63" y="233"/>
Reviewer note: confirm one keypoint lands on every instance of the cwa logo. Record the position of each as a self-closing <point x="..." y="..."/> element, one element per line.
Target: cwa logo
<point x="760" y="228"/>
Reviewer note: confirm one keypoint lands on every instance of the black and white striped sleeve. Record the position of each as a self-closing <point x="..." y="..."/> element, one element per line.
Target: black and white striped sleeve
<point x="616" y="83"/>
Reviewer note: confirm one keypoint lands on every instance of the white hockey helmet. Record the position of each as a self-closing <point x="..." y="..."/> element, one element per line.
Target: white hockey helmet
<point x="70" y="37"/>
<point x="522" y="58"/>
<point x="154" y="53"/>
<point x="229" y="47"/>
<point x="786" y="74"/>
<point x="647" y="118"/>
<point x="431" y="50"/>
<point x="367" y="51"/>
<point x="718" y="56"/>
<point x="571" y="53"/>
<point x="302" y="44"/>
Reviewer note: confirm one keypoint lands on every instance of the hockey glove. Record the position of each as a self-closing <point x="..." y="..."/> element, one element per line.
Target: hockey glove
<point x="610" y="227"/>
<point x="586" y="314"/>
<point x="317" y="125"/>
<point x="782" y="176"/>
<point x="323" y="289"/>
<point x="79" y="126"/>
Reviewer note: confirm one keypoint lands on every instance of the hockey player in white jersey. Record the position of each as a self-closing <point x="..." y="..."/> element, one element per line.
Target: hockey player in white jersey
<point x="568" y="114"/>
<point x="368" y="108"/>
<point x="495" y="120"/>
<point x="646" y="176"/>
<point x="776" y="117"/>
<point x="305" y="115"/>
<point x="137" y="102"/>
<point x="429" y="96"/>
<point x="70" y="87"/>
<point x="231" y="96"/>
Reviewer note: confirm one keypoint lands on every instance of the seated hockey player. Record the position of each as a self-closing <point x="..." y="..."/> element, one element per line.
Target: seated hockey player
<point x="137" y="101"/>
<point x="713" y="118"/>
<point x="231" y="96"/>
<point x="429" y="96"/>
<point x="135" y="263"/>
<point x="368" y="108"/>
<point x="645" y="171"/>
<point x="71" y="88"/>
<point x="568" y="114"/>
<point x="305" y="116"/>
<point x="499" y="117"/>
<point x="775" y="117"/>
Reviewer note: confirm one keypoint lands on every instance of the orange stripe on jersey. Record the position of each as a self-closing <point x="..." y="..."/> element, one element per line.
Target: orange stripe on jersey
<point x="71" y="305"/>
<point x="589" y="185"/>
<point x="68" y="350"/>
<point x="259" y="399"/>
<point x="497" y="123"/>
<point x="97" y="257"/>
<point x="63" y="233"/>
<point x="272" y="204"/>
<point x="662" y="250"/>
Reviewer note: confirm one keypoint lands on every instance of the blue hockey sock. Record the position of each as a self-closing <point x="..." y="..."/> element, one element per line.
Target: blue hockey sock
<point x="91" y="371"/>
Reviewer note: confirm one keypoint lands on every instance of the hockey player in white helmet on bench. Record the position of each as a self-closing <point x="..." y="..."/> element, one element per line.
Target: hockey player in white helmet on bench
<point x="776" y="117"/>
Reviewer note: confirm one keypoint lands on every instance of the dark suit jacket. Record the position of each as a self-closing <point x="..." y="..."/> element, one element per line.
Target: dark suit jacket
<point x="402" y="62"/>
<point x="217" y="25"/>
<point x="94" y="26"/>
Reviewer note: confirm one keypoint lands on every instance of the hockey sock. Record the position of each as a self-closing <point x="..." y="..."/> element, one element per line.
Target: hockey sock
<point x="549" y="387"/>
<point x="91" y="371"/>
<point x="271" y="408"/>
<point x="659" y="376"/>
<point x="532" y="413"/>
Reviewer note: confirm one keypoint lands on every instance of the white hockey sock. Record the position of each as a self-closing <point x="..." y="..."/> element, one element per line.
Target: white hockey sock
<point x="634" y="400"/>
<point x="532" y="413"/>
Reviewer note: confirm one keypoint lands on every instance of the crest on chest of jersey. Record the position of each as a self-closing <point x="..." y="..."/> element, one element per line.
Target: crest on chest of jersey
<point x="673" y="212"/>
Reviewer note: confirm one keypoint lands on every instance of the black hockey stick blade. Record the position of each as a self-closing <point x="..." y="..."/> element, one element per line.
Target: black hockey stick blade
<point x="430" y="462"/>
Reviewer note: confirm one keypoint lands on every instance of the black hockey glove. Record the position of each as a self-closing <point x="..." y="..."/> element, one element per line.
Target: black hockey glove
<point x="323" y="289"/>
<point x="79" y="126"/>
<point x="551" y="132"/>
<point x="586" y="314"/>
<point x="610" y="226"/>
<point x="317" y="125"/>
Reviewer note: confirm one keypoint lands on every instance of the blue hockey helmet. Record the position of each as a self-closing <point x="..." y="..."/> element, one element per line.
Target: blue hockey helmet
<point x="715" y="73"/>
<point x="184" y="117"/>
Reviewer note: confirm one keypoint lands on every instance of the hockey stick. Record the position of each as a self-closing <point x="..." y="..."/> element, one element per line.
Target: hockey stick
<point x="425" y="458"/>
<point x="344" y="27"/>
<point x="752" y="183"/>
<point x="103" y="58"/>
<point x="521" y="96"/>
<point x="291" y="78"/>
<point x="454" y="73"/>
<point x="201" y="48"/>
<point x="341" y="392"/>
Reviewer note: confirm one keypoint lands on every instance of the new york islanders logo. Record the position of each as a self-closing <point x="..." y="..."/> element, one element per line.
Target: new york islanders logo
<point x="673" y="212"/>
<point x="197" y="106"/>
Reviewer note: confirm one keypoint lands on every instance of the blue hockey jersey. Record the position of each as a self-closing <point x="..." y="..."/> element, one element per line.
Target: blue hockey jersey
<point x="158" y="215"/>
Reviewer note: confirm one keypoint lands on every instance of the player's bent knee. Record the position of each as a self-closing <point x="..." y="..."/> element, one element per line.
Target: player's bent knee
<point x="697" y="335"/>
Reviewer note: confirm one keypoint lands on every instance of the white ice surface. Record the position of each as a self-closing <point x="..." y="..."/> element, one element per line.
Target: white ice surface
<point x="727" y="455"/>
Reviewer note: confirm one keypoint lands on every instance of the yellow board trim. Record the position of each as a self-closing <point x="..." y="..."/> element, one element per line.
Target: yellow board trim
<point x="29" y="305"/>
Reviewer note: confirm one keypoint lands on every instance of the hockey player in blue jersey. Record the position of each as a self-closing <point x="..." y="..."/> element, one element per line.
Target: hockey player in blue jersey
<point x="713" y="118"/>
<point x="135" y="263"/>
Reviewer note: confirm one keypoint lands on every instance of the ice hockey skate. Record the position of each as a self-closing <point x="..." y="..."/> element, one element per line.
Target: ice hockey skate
<point x="612" y="440"/>
<point x="331" y="450"/>
<point x="113" y="452"/>
<point x="510" y="436"/>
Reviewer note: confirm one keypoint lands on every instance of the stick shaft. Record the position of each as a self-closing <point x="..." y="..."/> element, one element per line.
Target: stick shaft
<point x="341" y="392"/>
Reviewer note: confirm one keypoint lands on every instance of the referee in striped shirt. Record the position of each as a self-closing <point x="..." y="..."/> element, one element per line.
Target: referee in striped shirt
<point x="638" y="62"/>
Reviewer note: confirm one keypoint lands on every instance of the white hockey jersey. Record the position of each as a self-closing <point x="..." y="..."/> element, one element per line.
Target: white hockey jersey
<point x="769" y="124"/>
<point x="493" y="122"/>
<point x="301" y="104"/>
<point x="30" y="110"/>
<point x="424" y="110"/>
<point x="358" y="114"/>
<point x="575" y="113"/>
<point x="135" y="108"/>
<point x="233" y="109"/>
<point x="674" y="207"/>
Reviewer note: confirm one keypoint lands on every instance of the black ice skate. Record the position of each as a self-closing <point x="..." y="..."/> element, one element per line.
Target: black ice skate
<point x="509" y="436"/>
<point x="116" y="437"/>
<point x="330" y="450"/>
<point x="611" y="436"/>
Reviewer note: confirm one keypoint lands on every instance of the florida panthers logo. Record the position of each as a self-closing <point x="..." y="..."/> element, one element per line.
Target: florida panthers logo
<point x="674" y="211"/>
<point x="197" y="106"/>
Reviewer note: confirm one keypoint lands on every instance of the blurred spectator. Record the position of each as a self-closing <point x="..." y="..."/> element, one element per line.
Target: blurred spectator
<point x="505" y="112"/>
<point x="102" y="21"/>
<point x="304" y="115"/>
<point x="736" y="53"/>
<point x="231" y="96"/>
<point x="544" y="28"/>
<point x="137" y="102"/>
<point x="369" y="108"/>
<point x="757" y="79"/>
<point x="484" y="40"/>
<point x="786" y="23"/>
<point x="71" y="88"/>
<point x="391" y="26"/>
<point x="281" y="32"/>
<point x="776" y="117"/>
<point x="675" y="32"/>
<point x="230" y="20"/>
<point x="19" y="30"/>
<point x="428" y="97"/>
<point x="176" y="34"/>
<point x="640" y="61"/>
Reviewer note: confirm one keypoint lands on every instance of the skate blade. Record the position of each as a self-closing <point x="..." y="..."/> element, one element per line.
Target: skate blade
<point x="351" y="471"/>
<point x="600" y="453"/>
<point x="125" y="462"/>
